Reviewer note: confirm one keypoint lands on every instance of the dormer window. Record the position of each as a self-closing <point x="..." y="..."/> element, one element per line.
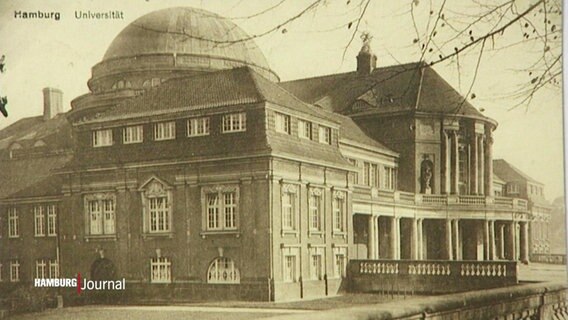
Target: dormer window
<point x="132" y="134"/>
<point x="165" y="130"/>
<point x="282" y="122"/>
<point x="324" y="134"/>
<point x="512" y="188"/>
<point x="102" y="138"/>
<point x="305" y="129"/>
<point x="198" y="127"/>
<point x="234" y="122"/>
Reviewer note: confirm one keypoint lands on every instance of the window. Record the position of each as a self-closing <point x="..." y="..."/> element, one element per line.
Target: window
<point x="51" y="220"/>
<point x="374" y="174"/>
<point x="366" y="173"/>
<point x="102" y="138"/>
<point x="324" y="135"/>
<point x="15" y="270"/>
<point x="13" y="223"/>
<point x="289" y="207"/>
<point x="54" y="269"/>
<point x="290" y="263"/>
<point x="355" y="175"/>
<point x="39" y="218"/>
<point x="282" y="123"/>
<point x="305" y="129"/>
<point x="157" y="207"/>
<point x="160" y="270"/>
<point x="159" y="214"/>
<point x="100" y="211"/>
<point x="316" y="263"/>
<point x="314" y="206"/>
<point x="389" y="178"/>
<point x="339" y="261"/>
<point x="164" y="131"/>
<point x="512" y="188"/>
<point x="198" y="127"/>
<point x="339" y="211"/>
<point x="156" y="82"/>
<point x="223" y="270"/>
<point x="132" y="134"/>
<point x="221" y="207"/>
<point x="234" y="122"/>
<point x="41" y="269"/>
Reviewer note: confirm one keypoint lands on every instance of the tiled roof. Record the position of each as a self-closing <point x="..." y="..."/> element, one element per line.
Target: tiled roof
<point x="510" y="173"/>
<point x="29" y="130"/>
<point x="412" y="86"/>
<point x="217" y="89"/>
<point x="31" y="177"/>
<point x="351" y="131"/>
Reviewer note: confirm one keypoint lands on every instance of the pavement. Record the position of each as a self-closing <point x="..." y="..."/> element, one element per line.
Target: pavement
<point x="540" y="272"/>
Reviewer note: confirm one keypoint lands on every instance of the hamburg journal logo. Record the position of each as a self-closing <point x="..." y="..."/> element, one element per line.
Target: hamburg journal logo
<point x="81" y="284"/>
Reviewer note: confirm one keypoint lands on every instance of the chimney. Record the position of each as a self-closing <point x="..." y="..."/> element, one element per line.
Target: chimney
<point x="366" y="60"/>
<point x="52" y="102"/>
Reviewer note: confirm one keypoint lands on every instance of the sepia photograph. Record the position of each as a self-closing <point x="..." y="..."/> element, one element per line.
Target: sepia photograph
<point x="282" y="159"/>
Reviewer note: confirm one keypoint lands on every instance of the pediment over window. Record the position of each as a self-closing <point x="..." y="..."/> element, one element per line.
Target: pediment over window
<point x="155" y="187"/>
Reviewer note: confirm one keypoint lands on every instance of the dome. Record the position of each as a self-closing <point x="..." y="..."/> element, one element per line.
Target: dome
<point x="187" y="31"/>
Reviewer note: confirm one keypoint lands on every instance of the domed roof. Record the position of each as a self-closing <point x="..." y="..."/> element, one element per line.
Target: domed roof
<point x="188" y="31"/>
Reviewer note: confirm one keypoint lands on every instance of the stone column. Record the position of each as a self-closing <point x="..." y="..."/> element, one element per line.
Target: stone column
<point x="474" y="165"/>
<point x="525" y="241"/>
<point x="481" y="165"/>
<point x="414" y="245"/>
<point x="393" y="238"/>
<point x="449" y="247"/>
<point x="486" y="241"/>
<point x="397" y="234"/>
<point x="420" y="240"/>
<point x="455" y="163"/>
<point x="502" y="241"/>
<point x="457" y="242"/>
<point x="492" y="252"/>
<point x="370" y="238"/>
<point x="488" y="163"/>
<point x="446" y="162"/>
<point x="377" y="237"/>
<point x="511" y="241"/>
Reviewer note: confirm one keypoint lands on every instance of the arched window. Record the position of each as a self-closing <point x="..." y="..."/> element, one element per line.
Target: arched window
<point x="223" y="270"/>
<point x="39" y="143"/>
<point x="147" y="84"/>
<point x="15" y="146"/>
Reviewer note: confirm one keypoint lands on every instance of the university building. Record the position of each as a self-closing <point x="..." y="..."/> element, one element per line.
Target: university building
<point x="192" y="171"/>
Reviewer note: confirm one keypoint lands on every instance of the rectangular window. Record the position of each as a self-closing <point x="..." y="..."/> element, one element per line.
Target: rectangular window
<point x="159" y="214"/>
<point x="355" y="175"/>
<point x="165" y="131"/>
<point x="198" y="127"/>
<point x="288" y="211"/>
<point x="234" y="122"/>
<point x="305" y="129"/>
<point x="133" y="134"/>
<point x="316" y="267"/>
<point x="53" y="269"/>
<point x="340" y="262"/>
<point x="314" y="210"/>
<point x="102" y="138"/>
<point x="160" y="270"/>
<point x="41" y="269"/>
<point x="289" y="268"/>
<point x="14" y="270"/>
<point x="13" y="223"/>
<point x="101" y="217"/>
<point x="324" y="134"/>
<point x="230" y="210"/>
<point x="39" y="219"/>
<point x="338" y="212"/>
<point x="213" y="211"/>
<point x="282" y="123"/>
<point x="221" y="208"/>
<point x="51" y="220"/>
<point x="366" y="173"/>
<point x="389" y="179"/>
<point x="374" y="174"/>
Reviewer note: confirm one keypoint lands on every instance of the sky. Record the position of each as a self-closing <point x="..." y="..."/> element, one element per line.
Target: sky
<point x="60" y="53"/>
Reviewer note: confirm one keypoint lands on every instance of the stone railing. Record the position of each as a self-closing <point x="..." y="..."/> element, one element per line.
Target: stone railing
<point x="438" y="200"/>
<point x="541" y="301"/>
<point x="429" y="276"/>
<point x="548" y="258"/>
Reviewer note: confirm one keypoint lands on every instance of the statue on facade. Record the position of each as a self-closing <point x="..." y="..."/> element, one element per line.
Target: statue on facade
<point x="426" y="169"/>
